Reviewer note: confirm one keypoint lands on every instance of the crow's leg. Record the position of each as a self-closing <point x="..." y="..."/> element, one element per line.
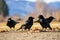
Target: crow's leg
<point x="26" y="29"/>
<point x="43" y="29"/>
<point x="50" y="28"/>
<point x="9" y="27"/>
<point x="14" y="28"/>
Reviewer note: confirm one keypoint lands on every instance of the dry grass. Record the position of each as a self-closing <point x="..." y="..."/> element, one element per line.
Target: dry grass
<point x="17" y="35"/>
<point x="54" y="25"/>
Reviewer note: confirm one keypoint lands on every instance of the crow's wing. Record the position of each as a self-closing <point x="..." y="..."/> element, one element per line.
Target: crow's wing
<point x="13" y="22"/>
<point x="27" y="22"/>
<point x="49" y="20"/>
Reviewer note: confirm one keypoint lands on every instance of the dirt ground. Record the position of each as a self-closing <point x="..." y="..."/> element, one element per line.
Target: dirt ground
<point x="16" y="35"/>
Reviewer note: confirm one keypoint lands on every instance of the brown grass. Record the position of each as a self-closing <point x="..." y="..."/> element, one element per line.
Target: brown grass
<point x="54" y="25"/>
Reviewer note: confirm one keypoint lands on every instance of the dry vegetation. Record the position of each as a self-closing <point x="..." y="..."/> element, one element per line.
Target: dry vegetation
<point x="54" y="25"/>
<point x="28" y="35"/>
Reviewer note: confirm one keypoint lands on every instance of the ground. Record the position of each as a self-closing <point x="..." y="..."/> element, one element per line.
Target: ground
<point x="14" y="35"/>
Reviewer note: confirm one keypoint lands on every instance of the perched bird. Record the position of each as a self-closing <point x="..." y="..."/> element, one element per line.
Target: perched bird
<point x="45" y="22"/>
<point x="28" y="24"/>
<point x="11" y="23"/>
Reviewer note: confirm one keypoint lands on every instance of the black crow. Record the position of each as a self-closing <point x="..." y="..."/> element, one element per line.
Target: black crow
<point x="11" y="23"/>
<point x="45" y="22"/>
<point x="28" y="24"/>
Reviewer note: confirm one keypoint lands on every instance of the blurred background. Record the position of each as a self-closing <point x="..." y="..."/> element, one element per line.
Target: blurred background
<point x="22" y="9"/>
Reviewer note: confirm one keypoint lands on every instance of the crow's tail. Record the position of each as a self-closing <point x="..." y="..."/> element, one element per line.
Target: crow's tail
<point x="21" y="27"/>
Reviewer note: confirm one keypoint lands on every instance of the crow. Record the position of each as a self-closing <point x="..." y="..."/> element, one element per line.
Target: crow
<point x="28" y="23"/>
<point x="11" y="23"/>
<point x="45" y="22"/>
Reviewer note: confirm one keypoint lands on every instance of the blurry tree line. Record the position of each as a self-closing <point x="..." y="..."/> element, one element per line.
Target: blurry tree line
<point x="3" y="8"/>
<point x="4" y="11"/>
<point x="40" y="8"/>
